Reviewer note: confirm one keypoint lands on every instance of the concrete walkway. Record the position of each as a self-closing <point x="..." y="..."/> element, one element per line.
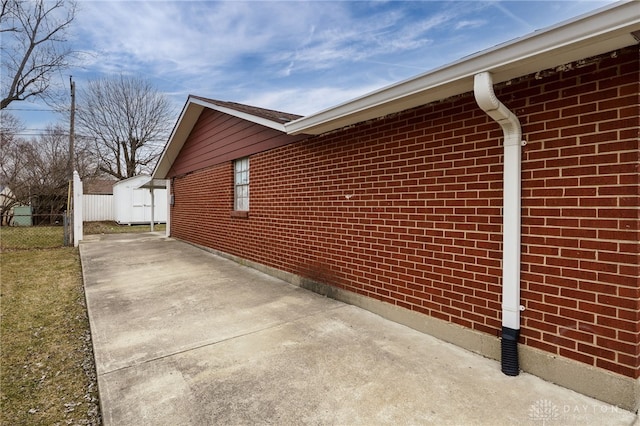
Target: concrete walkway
<point x="184" y="337"/>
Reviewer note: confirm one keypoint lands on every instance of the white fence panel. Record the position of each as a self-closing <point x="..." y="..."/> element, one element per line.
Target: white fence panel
<point x="97" y="207"/>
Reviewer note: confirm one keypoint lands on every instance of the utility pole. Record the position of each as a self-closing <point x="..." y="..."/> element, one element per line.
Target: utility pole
<point x="69" y="216"/>
<point x="72" y="127"/>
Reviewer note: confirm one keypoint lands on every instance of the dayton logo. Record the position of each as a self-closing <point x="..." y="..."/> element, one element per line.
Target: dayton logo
<point x="544" y="410"/>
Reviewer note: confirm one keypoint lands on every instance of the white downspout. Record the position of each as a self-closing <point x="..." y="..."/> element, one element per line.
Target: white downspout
<point x="486" y="99"/>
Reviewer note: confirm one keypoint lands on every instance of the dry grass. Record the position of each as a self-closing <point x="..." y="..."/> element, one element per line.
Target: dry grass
<point x="48" y="372"/>
<point x="108" y="227"/>
<point x="30" y="237"/>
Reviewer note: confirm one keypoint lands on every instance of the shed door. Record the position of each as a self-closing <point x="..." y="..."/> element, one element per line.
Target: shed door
<point x="141" y="205"/>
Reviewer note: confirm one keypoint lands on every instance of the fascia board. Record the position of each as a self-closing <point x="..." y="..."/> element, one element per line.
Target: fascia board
<point x="188" y="117"/>
<point x="601" y="31"/>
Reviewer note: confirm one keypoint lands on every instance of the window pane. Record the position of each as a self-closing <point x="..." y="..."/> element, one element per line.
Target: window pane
<point x="243" y="204"/>
<point x="241" y="184"/>
<point x="242" y="165"/>
<point x="242" y="178"/>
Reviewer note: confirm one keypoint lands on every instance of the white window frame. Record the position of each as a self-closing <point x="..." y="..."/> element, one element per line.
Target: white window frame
<point x="241" y="184"/>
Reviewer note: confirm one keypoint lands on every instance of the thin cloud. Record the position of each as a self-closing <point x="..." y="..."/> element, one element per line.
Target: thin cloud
<point x="299" y="57"/>
<point x="303" y="101"/>
<point x="520" y="21"/>
<point x="362" y="40"/>
<point x="470" y="24"/>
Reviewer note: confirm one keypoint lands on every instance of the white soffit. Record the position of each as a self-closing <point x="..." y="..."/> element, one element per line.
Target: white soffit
<point x="601" y="31"/>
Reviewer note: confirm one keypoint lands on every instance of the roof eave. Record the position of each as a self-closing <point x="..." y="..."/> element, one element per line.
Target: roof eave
<point x="601" y="31"/>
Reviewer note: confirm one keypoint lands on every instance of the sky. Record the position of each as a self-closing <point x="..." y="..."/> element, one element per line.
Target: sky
<point x="292" y="56"/>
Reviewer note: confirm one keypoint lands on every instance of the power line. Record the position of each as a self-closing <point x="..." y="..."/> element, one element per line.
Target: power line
<point x="35" y="129"/>
<point x="37" y="134"/>
<point x="44" y="132"/>
<point x="36" y="110"/>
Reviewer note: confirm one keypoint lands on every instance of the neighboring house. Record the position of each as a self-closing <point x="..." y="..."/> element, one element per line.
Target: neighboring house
<point x="419" y="202"/>
<point x="98" y="186"/>
<point x="7" y="201"/>
<point x="13" y="213"/>
<point x="135" y="204"/>
<point x="97" y="201"/>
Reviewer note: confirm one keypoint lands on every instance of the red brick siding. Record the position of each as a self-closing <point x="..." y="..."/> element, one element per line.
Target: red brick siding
<point x="580" y="212"/>
<point x="407" y="210"/>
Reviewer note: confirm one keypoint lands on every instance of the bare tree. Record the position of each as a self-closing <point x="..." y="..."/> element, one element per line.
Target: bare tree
<point x="127" y="117"/>
<point x="33" y="46"/>
<point x="46" y="172"/>
<point x="10" y="128"/>
<point x="11" y="164"/>
<point x="36" y="170"/>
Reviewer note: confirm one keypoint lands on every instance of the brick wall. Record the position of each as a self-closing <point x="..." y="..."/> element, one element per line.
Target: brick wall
<point x="407" y="210"/>
<point x="580" y="216"/>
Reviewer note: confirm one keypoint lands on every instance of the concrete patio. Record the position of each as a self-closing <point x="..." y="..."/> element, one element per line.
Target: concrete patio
<point x="185" y="337"/>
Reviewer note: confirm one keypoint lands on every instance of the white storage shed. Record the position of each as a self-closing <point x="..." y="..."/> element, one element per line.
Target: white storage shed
<point x="133" y="201"/>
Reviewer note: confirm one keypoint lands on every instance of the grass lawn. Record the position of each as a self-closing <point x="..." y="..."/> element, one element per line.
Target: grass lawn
<point x="30" y="237"/>
<point x="48" y="372"/>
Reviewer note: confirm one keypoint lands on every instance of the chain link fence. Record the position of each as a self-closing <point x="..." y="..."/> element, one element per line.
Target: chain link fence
<point x="53" y="231"/>
<point x="31" y="231"/>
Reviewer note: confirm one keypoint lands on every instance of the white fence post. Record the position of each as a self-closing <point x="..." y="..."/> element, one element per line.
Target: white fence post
<point x="77" y="209"/>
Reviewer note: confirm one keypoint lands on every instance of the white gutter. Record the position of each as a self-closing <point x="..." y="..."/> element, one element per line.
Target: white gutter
<point x="511" y="217"/>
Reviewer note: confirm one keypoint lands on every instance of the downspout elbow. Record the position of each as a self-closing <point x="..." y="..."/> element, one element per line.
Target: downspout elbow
<point x="489" y="103"/>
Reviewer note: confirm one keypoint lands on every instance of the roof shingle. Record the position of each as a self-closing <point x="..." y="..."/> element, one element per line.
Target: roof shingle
<point x="268" y="114"/>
